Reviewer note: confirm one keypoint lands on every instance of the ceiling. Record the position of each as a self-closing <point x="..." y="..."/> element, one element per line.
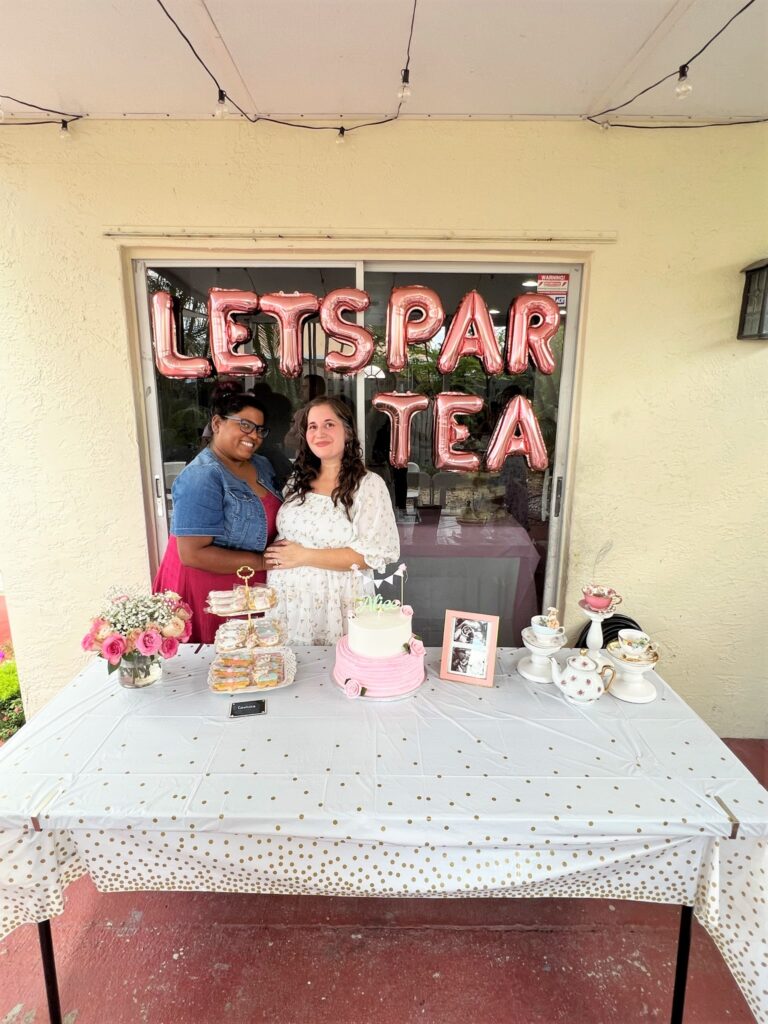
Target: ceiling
<point x="340" y="60"/>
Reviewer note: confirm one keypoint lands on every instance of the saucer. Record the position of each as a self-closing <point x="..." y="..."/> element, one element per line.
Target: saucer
<point x="542" y="642"/>
<point x="646" y="660"/>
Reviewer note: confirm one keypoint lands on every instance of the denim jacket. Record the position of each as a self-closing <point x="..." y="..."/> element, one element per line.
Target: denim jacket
<point x="209" y="501"/>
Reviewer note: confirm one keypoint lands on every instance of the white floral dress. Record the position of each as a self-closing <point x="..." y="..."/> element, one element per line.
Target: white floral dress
<point x="314" y="603"/>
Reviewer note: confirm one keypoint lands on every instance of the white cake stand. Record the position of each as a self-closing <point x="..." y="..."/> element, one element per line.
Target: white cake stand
<point x="537" y="668"/>
<point x="630" y="683"/>
<point x="595" y="634"/>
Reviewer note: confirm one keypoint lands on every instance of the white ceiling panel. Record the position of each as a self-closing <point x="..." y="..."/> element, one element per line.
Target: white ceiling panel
<point x="333" y="58"/>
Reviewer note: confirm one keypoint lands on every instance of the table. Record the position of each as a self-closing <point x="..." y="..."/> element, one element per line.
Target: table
<point x="485" y="568"/>
<point x="457" y="791"/>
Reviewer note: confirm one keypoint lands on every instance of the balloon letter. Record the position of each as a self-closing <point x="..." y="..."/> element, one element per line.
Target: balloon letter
<point x="471" y="316"/>
<point x="291" y="312"/>
<point x="401" y="409"/>
<point x="402" y="332"/>
<point x="521" y="336"/>
<point x="226" y="334"/>
<point x="448" y="432"/>
<point x="170" y="362"/>
<point x="518" y="414"/>
<point x="333" y="305"/>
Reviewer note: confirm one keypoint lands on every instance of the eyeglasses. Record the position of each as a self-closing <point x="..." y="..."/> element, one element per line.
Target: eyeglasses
<point x="248" y="427"/>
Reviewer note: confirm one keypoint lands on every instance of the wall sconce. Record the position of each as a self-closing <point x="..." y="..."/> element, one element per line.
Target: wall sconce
<point x="753" y="320"/>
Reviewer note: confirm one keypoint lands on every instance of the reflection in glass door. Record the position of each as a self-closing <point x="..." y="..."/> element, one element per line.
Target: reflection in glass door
<point x="482" y="542"/>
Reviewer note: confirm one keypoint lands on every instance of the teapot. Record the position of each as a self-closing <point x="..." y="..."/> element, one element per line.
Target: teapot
<point x="582" y="680"/>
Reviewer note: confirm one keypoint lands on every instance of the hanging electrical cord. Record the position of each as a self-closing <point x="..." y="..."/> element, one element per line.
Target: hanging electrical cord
<point x="62" y="118"/>
<point x="682" y="76"/>
<point x="341" y="131"/>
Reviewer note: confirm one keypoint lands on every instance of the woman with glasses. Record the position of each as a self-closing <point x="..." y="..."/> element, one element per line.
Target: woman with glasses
<point x="336" y="516"/>
<point x="224" y="509"/>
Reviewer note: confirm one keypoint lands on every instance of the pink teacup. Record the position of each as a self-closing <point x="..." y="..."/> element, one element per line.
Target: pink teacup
<point x="600" y="599"/>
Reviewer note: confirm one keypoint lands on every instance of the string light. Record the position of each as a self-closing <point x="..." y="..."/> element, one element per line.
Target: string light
<point x="221" y="110"/>
<point x="404" y="92"/>
<point x="340" y="138"/>
<point x="64" y="132"/>
<point x="683" y="89"/>
<point x="62" y="118"/>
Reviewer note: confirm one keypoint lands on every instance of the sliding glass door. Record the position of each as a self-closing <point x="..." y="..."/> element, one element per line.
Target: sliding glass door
<point x="484" y="542"/>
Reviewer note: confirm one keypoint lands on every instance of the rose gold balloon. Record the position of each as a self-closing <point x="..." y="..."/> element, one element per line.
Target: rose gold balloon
<point x="521" y="336"/>
<point x="448" y="432"/>
<point x="401" y="408"/>
<point x="518" y="414"/>
<point x="344" y="300"/>
<point x="473" y="315"/>
<point x="226" y="334"/>
<point x="402" y="332"/>
<point x="291" y="312"/>
<point x="169" y="361"/>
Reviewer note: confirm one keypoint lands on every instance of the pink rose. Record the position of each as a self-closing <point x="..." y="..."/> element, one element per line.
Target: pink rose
<point x="407" y="610"/>
<point x="113" y="648"/>
<point x="417" y="647"/>
<point x="352" y="688"/>
<point x="169" y="647"/>
<point x="187" y="632"/>
<point x="86" y="643"/>
<point x="183" y="611"/>
<point x="148" y="642"/>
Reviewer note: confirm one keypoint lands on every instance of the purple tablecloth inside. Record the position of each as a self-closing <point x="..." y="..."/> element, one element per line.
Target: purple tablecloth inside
<point x="504" y="543"/>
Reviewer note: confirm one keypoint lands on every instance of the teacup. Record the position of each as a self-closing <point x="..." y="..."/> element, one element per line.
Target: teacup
<point x="635" y="643"/>
<point x="600" y="599"/>
<point x="543" y="631"/>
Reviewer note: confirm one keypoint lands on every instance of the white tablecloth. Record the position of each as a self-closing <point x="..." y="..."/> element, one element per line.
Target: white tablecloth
<point x="457" y="791"/>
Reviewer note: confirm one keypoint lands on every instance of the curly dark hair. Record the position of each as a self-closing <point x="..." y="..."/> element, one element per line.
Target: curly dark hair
<point x="306" y="468"/>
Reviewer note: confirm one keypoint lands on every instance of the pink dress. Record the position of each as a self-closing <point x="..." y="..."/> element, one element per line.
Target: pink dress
<point x="194" y="584"/>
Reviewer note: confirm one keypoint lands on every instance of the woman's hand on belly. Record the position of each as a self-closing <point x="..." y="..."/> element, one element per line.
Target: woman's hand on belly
<point x="285" y="554"/>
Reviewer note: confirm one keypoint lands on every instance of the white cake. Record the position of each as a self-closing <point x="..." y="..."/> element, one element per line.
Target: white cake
<point x="379" y="634"/>
<point x="379" y="658"/>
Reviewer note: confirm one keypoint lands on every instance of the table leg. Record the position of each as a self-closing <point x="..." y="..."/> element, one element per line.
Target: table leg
<point x="49" y="971"/>
<point x="681" y="968"/>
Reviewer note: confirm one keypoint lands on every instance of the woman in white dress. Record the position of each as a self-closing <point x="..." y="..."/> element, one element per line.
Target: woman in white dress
<point x="336" y="515"/>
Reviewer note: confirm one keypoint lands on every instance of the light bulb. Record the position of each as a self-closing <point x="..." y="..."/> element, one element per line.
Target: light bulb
<point x="64" y="132"/>
<point x="683" y="89"/>
<point x="341" y="137"/>
<point x="404" y="92"/>
<point x="2" y="112"/>
<point x="221" y="110"/>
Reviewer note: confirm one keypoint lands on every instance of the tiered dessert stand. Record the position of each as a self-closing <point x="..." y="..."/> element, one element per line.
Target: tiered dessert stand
<point x="537" y="668"/>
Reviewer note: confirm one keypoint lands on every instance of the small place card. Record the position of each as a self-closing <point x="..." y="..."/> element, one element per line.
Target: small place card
<point x="241" y="708"/>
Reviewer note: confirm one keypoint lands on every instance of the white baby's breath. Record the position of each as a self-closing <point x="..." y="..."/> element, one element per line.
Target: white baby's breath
<point x="127" y="609"/>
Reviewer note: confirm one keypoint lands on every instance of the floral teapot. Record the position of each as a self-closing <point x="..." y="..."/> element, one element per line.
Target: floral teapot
<point x="582" y="680"/>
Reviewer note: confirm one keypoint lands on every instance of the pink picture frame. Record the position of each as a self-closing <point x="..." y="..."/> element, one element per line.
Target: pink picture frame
<point x="469" y="648"/>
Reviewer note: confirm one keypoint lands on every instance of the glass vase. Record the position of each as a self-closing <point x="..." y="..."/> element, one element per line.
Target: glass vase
<point x="138" y="670"/>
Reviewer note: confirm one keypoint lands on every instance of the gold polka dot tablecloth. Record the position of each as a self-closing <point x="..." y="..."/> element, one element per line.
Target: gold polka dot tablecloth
<point x="456" y="791"/>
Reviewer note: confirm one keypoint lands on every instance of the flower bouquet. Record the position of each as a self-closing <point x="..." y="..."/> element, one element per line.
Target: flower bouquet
<point x="134" y="630"/>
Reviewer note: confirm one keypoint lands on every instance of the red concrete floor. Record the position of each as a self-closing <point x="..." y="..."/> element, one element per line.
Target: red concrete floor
<point x="180" y="958"/>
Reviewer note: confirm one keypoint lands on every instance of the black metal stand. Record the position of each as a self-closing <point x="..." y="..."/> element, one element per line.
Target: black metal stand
<point x="681" y="968"/>
<point x="49" y="971"/>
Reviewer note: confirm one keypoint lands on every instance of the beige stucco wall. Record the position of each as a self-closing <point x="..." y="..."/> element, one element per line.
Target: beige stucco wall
<point x="669" y="436"/>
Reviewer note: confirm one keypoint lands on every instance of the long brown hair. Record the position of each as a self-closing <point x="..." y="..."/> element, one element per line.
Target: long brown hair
<point x="306" y="468"/>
